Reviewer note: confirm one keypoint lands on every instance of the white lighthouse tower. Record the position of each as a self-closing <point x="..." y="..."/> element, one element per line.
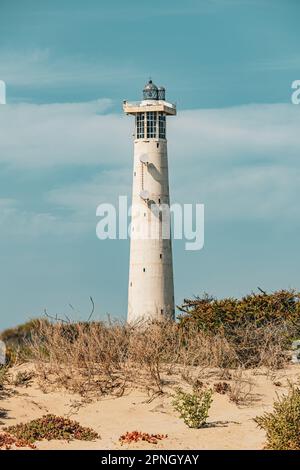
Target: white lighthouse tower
<point x="151" y="286"/>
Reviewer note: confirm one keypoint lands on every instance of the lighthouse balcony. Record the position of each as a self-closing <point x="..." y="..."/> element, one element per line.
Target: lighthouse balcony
<point x="149" y="105"/>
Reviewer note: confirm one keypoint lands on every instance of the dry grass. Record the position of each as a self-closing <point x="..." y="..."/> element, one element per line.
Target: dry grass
<point x="109" y="358"/>
<point x="241" y="387"/>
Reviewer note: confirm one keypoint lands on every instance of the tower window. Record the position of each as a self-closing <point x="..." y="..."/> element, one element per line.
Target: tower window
<point x="144" y="270"/>
<point x="151" y="124"/>
<point x="160" y="256"/>
<point x="162" y="311"/>
<point x="157" y="145"/>
<point x="162" y="125"/>
<point x="140" y="132"/>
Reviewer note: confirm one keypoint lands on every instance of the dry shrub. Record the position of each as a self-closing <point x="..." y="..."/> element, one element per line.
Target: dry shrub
<point x="257" y="346"/>
<point x="241" y="387"/>
<point x="23" y="378"/>
<point x="82" y="357"/>
<point x="107" y="358"/>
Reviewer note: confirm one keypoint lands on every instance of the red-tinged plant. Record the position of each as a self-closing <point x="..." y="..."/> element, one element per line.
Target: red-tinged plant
<point x="136" y="436"/>
<point x="51" y="427"/>
<point x="7" y="442"/>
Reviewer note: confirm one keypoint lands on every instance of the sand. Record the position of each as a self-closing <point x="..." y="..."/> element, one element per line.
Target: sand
<point x="230" y="425"/>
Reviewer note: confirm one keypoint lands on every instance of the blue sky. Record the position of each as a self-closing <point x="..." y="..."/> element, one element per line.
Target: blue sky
<point x="65" y="145"/>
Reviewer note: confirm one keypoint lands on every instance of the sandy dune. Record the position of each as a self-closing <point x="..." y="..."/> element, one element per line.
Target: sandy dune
<point x="230" y="426"/>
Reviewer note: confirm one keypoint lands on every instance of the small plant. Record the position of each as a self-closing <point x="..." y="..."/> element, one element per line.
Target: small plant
<point x="193" y="407"/>
<point x="222" y="387"/>
<point x="136" y="436"/>
<point x="51" y="427"/>
<point x="282" y="426"/>
<point x="23" y="378"/>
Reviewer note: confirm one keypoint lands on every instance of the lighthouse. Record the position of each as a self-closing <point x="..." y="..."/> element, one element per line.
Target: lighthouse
<point x="151" y="285"/>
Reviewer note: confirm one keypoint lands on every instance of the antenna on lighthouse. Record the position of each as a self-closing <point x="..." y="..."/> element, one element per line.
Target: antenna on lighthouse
<point x="144" y="194"/>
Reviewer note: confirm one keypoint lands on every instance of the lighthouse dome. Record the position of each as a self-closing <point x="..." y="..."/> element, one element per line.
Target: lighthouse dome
<point x="150" y="91"/>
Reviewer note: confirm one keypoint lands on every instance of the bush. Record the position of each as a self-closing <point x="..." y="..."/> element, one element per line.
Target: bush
<point x="193" y="408"/>
<point x="258" y="328"/>
<point x="210" y="314"/>
<point x="17" y="340"/>
<point x="282" y="426"/>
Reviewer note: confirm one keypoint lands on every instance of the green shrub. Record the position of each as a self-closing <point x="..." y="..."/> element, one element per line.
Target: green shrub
<point x="258" y="327"/>
<point x="21" y="333"/>
<point x="212" y="314"/>
<point x="17" y="340"/>
<point x="282" y="426"/>
<point x="193" y="408"/>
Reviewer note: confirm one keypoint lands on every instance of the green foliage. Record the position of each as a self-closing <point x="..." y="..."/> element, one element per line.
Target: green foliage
<point x="17" y="339"/>
<point x="211" y="314"/>
<point x="282" y="426"/>
<point x="51" y="427"/>
<point x="258" y="328"/>
<point x="193" y="407"/>
<point x="18" y="335"/>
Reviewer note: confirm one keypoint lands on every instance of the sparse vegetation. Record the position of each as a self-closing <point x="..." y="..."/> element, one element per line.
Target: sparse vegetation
<point x="282" y="425"/>
<point x="211" y="349"/>
<point x="193" y="407"/>
<point x="108" y="357"/>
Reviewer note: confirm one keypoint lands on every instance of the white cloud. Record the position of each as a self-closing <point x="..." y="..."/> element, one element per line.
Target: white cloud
<point x="40" y="68"/>
<point x="83" y="198"/>
<point x="241" y="162"/>
<point x="59" y="134"/>
<point x="17" y="222"/>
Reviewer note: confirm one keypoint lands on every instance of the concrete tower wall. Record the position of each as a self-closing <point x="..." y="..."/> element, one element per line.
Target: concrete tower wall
<point x="151" y="288"/>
